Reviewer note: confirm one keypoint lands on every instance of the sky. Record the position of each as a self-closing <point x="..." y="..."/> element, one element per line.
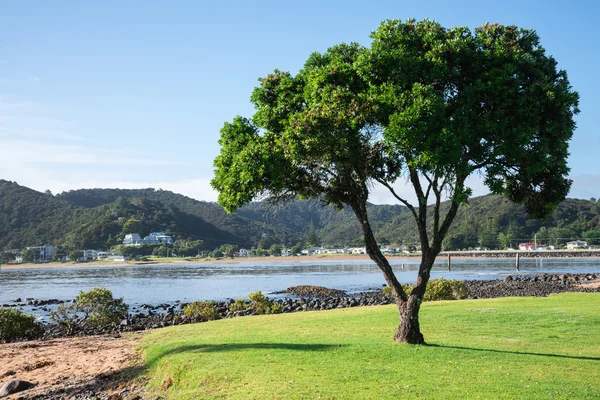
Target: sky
<point x="133" y="94"/>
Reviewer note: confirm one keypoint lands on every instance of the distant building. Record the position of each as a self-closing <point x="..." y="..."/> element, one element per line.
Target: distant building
<point x="154" y="238"/>
<point x="577" y="244"/>
<point x="161" y="237"/>
<point x="527" y="246"/>
<point x="133" y="239"/>
<point x="46" y="252"/>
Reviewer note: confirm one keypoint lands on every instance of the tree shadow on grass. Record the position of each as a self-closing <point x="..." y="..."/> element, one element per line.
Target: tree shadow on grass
<point x="521" y="353"/>
<point x="131" y="379"/>
<point x="213" y="348"/>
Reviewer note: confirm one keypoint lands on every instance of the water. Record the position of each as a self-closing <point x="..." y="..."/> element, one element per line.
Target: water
<point x="154" y="284"/>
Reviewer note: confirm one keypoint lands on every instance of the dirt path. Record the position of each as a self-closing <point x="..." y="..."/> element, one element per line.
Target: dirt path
<point x="62" y="368"/>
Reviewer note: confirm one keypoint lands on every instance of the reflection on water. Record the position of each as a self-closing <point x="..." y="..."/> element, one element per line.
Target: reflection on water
<point x="166" y="283"/>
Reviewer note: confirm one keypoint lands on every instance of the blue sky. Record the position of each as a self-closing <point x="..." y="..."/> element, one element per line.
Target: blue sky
<point x="133" y="94"/>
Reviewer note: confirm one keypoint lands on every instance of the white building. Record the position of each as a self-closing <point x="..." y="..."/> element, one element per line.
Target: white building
<point x="46" y="252"/>
<point x="577" y="244"/>
<point x="154" y="238"/>
<point x="160" y="237"/>
<point x="133" y="239"/>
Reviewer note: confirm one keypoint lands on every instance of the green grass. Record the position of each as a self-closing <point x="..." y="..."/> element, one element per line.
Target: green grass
<point x="532" y="348"/>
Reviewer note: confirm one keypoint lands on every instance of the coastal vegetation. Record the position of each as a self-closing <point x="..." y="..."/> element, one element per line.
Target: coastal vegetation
<point x="28" y="217"/>
<point x="535" y="348"/>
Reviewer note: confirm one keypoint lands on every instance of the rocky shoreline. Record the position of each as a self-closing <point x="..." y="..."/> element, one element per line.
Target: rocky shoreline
<point x="314" y="298"/>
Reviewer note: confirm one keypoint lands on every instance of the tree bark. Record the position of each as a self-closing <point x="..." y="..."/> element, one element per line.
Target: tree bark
<point x="409" y="330"/>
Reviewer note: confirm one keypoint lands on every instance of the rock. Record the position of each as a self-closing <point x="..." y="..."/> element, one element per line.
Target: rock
<point x="508" y="278"/>
<point x="15" y="386"/>
<point x="17" y="300"/>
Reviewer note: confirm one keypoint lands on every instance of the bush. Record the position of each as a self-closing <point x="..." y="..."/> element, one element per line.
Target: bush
<point x="206" y="310"/>
<point x="438" y="289"/>
<point x="262" y="305"/>
<point x="65" y="315"/>
<point x="15" y="325"/>
<point x="98" y="307"/>
<point x="238" y="305"/>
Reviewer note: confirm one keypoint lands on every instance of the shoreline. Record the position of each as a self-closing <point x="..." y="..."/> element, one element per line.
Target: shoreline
<point x="272" y="260"/>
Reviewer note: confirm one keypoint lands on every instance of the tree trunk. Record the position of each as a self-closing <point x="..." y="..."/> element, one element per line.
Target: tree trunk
<point x="409" y="330"/>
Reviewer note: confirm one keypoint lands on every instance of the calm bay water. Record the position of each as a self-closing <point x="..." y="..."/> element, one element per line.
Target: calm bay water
<point x="155" y="284"/>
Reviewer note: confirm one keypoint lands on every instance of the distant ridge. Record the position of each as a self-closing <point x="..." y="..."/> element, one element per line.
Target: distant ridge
<point x="94" y="218"/>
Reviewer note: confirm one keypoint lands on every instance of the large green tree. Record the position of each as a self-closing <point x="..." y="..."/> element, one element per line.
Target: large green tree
<point x="423" y="104"/>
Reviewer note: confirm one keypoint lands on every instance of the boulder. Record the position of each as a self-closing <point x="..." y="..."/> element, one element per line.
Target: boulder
<point x="14" y="386"/>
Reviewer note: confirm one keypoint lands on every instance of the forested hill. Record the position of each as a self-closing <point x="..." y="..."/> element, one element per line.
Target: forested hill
<point x="99" y="218"/>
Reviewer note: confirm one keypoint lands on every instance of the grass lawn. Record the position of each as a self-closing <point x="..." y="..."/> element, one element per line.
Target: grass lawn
<point x="528" y="348"/>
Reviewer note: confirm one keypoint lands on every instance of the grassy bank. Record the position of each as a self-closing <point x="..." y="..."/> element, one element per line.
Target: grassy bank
<point x="498" y="348"/>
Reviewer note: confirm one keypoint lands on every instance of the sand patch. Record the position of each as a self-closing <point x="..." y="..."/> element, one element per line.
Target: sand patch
<point x="58" y="364"/>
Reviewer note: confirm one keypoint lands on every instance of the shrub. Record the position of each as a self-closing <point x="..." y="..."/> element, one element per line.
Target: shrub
<point x="65" y="315"/>
<point x="438" y="289"/>
<point x="15" y="325"/>
<point x="202" y="309"/>
<point x="262" y="305"/>
<point x="238" y="305"/>
<point x="98" y="307"/>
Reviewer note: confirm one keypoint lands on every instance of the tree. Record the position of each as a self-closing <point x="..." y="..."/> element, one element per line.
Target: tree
<point x="31" y="255"/>
<point x="228" y="250"/>
<point x="296" y="249"/>
<point x="75" y="255"/>
<point x="275" y="250"/>
<point x="132" y="226"/>
<point x="7" y="257"/>
<point x="592" y="237"/>
<point x="424" y="104"/>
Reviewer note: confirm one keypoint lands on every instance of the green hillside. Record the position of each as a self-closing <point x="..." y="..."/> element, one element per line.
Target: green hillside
<point x="99" y="218"/>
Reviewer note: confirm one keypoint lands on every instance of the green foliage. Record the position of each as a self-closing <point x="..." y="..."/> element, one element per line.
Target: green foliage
<point x="31" y="255"/>
<point x="238" y="305"/>
<point x="438" y="289"/>
<point x="275" y="250"/>
<point x="229" y="250"/>
<point x="65" y="315"/>
<point x="133" y="226"/>
<point x="263" y="305"/>
<point x="99" y="306"/>
<point x="592" y="237"/>
<point x="15" y="325"/>
<point x="295" y="250"/>
<point x="7" y="257"/>
<point x="75" y="255"/>
<point x="207" y="310"/>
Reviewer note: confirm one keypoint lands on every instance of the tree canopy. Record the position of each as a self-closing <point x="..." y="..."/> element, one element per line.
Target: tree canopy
<point x="423" y="103"/>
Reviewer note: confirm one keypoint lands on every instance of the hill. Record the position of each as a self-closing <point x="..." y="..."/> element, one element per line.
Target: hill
<point x="99" y="218"/>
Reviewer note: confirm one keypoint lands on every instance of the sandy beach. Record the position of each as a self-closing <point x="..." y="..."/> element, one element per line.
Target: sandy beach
<point x="266" y="260"/>
<point x="270" y="260"/>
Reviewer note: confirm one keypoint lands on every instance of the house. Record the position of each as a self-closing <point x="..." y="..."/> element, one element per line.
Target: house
<point x="46" y="252"/>
<point x="577" y="244"/>
<point x="527" y="246"/>
<point x="89" y="255"/>
<point x="133" y="239"/>
<point x="154" y="238"/>
<point x="160" y="237"/>
<point x="244" y="253"/>
<point x="312" y="250"/>
<point x="359" y="250"/>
